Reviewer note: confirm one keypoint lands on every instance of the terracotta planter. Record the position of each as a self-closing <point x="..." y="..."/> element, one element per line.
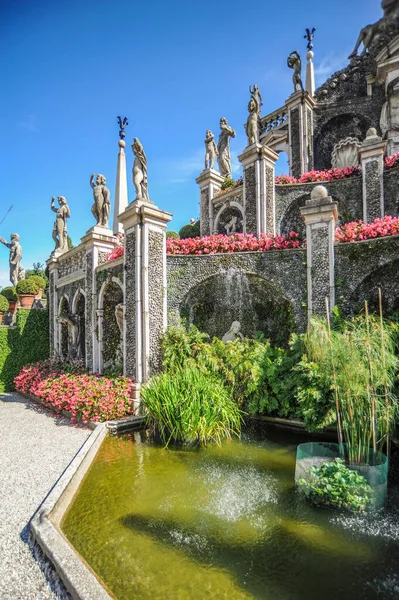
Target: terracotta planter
<point x="12" y="306"/>
<point x="1" y="316"/>
<point x="26" y="300"/>
<point x="39" y="294"/>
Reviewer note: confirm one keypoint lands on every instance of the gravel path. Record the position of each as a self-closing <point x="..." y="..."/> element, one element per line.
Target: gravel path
<point x="35" y="448"/>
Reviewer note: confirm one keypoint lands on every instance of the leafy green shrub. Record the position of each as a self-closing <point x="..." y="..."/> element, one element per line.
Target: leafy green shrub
<point x="227" y="183"/>
<point x="27" y="286"/>
<point x="336" y="486"/>
<point x="190" y="231"/>
<point x="3" y="304"/>
<point x="191" y="408"/>
<point x="40" y="281"/>
<point x="10" y="293"/>
<point x="172" y="234"/>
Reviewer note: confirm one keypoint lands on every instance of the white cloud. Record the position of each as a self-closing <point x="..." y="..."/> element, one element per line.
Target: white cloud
<point x="30" y="123"/>
<point x="182" y="169"/>
<point x="328" y="65"/>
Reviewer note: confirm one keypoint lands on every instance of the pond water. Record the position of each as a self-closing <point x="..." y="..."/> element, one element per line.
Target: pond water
<point x="224" y="523"/>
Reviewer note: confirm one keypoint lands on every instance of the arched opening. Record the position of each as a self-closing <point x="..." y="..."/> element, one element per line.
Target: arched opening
<point x="335" y="130"/>
<point x="111" y="327"/>
<point x="79" y="309"/>
<point x="234" y="295"/>
<point x="387" y="279"/>
<point x="230" y="219"/>
<point x="63" y="329"/>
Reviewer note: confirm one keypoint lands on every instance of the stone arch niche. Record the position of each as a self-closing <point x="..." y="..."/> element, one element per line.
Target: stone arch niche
<point x="386" y="278"/>
<point x="234" y="295"/>
<point x="63" y="328"/>
<point x="292" y="219"/>
<point x="79" y="308"/>
<point x="110" y="335"/>
<point x="230" y="219"/>
<point x="335" y="130"/>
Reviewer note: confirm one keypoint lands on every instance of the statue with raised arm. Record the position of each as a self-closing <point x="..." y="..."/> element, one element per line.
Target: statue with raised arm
<point x="16" y="271"/>
<point x="211" y="151"/>
<point x="102" y="200"/>
<point x="368" y="34"/>
<point x="256" y="96"/>
<point x="226" y="132"/>
<point x="140" y="170"/>
<point x="60" y="233"/>
<point x="294" y="62"/>
<point x="74" y="334"/>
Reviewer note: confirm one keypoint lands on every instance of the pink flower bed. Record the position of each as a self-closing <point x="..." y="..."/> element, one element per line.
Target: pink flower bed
<point x="218" y="244"/>
<point x="392" y="161"/>
<point x="86" y="397"/>
<point x="314" y="176"/>
<point x="357" y="230"/>
<point x="117" y="252"/>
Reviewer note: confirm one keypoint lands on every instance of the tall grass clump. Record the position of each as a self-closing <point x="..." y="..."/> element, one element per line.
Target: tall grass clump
<point x="359" y="358"/>
<point x="189" y="407"/>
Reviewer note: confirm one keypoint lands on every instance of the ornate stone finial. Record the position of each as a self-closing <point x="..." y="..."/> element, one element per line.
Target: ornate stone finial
<point x="318" y="193"/>
<point x="60" y="233"/>
<point x="17" y="273"/>
<point x="211" y="151"/>
<point x="140" y="171"/>
<point x="102" y="200"/>
<point x="253" y="121"/>
<point x="122" y="125"/>
<point x="226" y="132"/>
<point x="294" y="62"/>
<point x="371" y="133"/>
<point x="309" y="36"/>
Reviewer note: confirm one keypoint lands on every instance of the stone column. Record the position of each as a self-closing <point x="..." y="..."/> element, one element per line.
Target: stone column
<point x="121" y="200"/>
<point x="145" y="288"/>
<point x="310" y="79"/>
<point x="320" y="214"/>
<point x="52" y="264"/>
<point x="371" y="154"/>
<point x="259" y="192"/>
<point x="210" y="182"/>
<point x="300" y="107"/>
<point x="98" y="242"/>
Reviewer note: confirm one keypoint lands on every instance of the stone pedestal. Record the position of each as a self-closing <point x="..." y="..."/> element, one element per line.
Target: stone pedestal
<point x="300" y="107"/>
<point x="371" y="156"/>
<point x="121" y="199"/>
<point x="145" y="288"/>
<point x="320" y="214"/>
<point x="97" y="242"/>
<point x="310" y="78"/>
<point x="53" y="303"/>
<point x="210" y="183"/>
<point x="259" y="193"/>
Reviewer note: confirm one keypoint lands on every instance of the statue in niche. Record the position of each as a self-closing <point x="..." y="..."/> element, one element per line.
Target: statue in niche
<point x="140" y="171"/>
<point x="294" y="62"/>
<point x="345" y="153"/>
<point x="390" y="111"/>
<point x="233" y="333"/>
<point x="17" y="273"/>
<point x="231" y="226"/>
<point x="60" y="233"/>
<point x="119" y="316"/>
<point x="74" y="335"/>
<point x="102" y="200"/>
<point x="226" y="132"/>
<point x="211" y="151"/>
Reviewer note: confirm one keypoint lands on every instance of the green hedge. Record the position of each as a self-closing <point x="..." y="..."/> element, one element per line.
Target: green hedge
<point x="27" y="342"/>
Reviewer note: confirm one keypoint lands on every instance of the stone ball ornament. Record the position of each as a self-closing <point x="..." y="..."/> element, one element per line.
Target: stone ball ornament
<point x="319" y="192"/>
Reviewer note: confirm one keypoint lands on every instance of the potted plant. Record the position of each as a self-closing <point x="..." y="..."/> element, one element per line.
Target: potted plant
<point x="3" y="307"/>
<point x="40" y="282"/>
<point x="10" y="294"/>
<point x="27" y="290"/>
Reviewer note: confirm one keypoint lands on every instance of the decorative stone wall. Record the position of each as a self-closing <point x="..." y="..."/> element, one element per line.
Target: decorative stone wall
<point x="270" y="199"/>
<point x="372" y="176"/>
<point x="391" y="191"/>
<point x="130" y="304"/>
<point x="90" y="308"/>
<point x="72" y="261"/>
<point x="156" y="293"/>
<point x="204" y="208"/>
<point x="112" y="353"/>
<point x="273" y="281"/>
<point x="295" y="143"/>
<point x="250" y="192"/>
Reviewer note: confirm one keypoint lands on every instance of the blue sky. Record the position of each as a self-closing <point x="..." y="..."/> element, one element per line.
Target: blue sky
<point x="68" y="68"/>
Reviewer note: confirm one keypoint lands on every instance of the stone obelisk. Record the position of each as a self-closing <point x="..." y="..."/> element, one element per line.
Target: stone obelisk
<point x="121" y="200"/>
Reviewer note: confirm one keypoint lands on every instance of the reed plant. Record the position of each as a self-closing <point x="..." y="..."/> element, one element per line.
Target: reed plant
<point x="361" y="362"/>
<point x="189" y="407"/>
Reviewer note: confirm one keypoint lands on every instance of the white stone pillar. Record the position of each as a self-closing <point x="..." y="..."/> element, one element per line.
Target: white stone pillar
<point x="210" y="182"/>
<point x="258" y="164"/>
<point x="121" y="199"/>
<point x="52" y="264"/>
<point x="145" y="286"/>
<point x="310" y="78"/>
<point x="300" y="107"/>
<point x="371" y="155"/>
<point x="320" y="214"/>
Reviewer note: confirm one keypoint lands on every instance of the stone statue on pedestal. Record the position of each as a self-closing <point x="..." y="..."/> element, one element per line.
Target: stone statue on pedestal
<point x="60" y="233"/>
<point x="294" y="62"/>
<point x="368" y="34"/>
<point x="253" y="121"/>
<point x="140" y="170"/>
<point x="211" y="151"/>
<point x="233" y="333"/>
<point x="231" y="226"/>
<point x="389" y="119"/>
<point x="17" y="273"/>
<point x="226" y="132"/>
<point x="102" y="200"/>
<point x="74" y="333"/>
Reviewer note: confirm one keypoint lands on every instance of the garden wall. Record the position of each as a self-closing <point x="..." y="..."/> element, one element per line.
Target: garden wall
<point x="26" y="342"/>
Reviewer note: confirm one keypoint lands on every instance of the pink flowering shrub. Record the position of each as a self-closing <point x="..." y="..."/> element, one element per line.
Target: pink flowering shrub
<point x="357" y="230"/>
<point x="239" y="242"/>
<point x="86" y="397"/>
<point x="392" y="161"/>
<point x="314" y="176"/>
<point x="117" y="252"/>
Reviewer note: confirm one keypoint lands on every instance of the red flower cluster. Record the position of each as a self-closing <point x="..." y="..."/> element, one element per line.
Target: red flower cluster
<point x="86" y="397"/>
<point x="117" y="252"/>
<point x="357" y="230"/>
<point x="328" y="175"/>
<point x="239" y="242"/>
<point x="392" y="161"/>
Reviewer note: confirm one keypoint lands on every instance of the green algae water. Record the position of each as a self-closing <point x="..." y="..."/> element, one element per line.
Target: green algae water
<point x="224" y="523"/>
